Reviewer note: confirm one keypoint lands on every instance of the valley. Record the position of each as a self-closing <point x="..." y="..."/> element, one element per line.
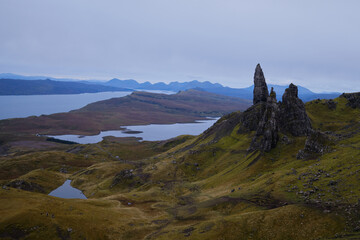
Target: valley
<point x="138" y="108"/>
<point x="267" y="170"/>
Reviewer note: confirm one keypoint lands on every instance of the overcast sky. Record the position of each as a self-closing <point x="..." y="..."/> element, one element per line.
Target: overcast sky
<point x="312" y="43"/>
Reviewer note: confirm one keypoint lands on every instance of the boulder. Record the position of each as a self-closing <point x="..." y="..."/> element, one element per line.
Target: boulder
<point x="316" y="144"/>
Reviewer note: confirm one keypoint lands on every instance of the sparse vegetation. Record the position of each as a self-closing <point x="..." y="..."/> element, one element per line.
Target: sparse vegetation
<point x="205" y="187"/>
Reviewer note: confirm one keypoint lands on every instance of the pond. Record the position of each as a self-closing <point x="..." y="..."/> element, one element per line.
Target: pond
<point x="67" y="191"/>
<point x="151" y="132"/>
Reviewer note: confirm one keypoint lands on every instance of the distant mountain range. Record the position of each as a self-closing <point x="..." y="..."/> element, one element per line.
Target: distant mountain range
<point x="73" y="86"/>
<point x="244" y="93"/>
<point x="44" y="87"/>
<point x="22" y="77"/>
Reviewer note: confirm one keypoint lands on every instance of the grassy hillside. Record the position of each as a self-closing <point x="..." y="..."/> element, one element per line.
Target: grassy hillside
<point x="205" y="187"/>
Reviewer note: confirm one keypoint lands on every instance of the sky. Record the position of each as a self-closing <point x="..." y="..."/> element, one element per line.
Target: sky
<point x="315" y="44"/>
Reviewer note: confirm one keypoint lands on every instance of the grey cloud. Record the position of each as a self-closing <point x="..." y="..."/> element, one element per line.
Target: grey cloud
<point x="313" y="43"/>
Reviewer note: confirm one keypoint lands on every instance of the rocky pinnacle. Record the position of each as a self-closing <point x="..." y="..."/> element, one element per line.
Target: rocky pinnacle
<point x="293" y="116"/>
<point x="269" y="117"/>
<point x="261" y="92"/>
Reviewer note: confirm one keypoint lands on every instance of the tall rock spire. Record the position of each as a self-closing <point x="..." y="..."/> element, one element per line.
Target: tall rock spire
<point x="266" y="136"/>
<point x="261" y="91"/>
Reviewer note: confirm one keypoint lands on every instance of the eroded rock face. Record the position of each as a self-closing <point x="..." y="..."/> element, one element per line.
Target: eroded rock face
<point x="269" y="117"/>
<point x="353" y="98"/>
<point x="266" y="136"/>
<point x="251" y="118"/>
<point x="316" y="143"/>
<point x="261" y="92"/>
<point x="293" y="116"/>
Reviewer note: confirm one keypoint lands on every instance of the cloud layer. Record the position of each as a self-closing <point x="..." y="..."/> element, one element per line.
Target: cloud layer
<point x="311" y="43"/>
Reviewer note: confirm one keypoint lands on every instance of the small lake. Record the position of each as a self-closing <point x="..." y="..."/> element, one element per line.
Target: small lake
<point x="152" y="132"/>
<point x="67" y="191"/>
<point x="19" y="106"/>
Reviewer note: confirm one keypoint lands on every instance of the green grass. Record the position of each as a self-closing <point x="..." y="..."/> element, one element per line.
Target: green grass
<point x="201" y="187"/>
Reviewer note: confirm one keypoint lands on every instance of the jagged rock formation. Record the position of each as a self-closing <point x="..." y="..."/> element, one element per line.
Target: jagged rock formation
<point x="267" y="117"/>
<point x="293" y="117"/>
<point x="266" y="136"/>
<point x="270" y="117"/>
<point x="261" y="92"/>
<point x="353" y="98"/>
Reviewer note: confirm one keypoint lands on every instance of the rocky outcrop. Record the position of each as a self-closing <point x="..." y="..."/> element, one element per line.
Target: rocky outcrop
<point x="261" y="92"/>
<point x="124" y="176"/>
<point x="293" y="116"/>
<point x="331" y="104"/>
<point x="268" y="117"/>
<point x="266" y="136"/>
<point x="315" y="144"/>
<point x="130" y="178"/>
<point x="353" y="99"/>
<point x="27" y="186"/>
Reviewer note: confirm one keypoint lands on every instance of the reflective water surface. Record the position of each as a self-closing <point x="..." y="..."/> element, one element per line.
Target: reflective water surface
<point x="67" y="191"/>
<point x="152" y="132"/>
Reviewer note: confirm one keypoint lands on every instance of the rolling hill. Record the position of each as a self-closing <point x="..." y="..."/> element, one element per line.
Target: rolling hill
<point x="279" y="170"/>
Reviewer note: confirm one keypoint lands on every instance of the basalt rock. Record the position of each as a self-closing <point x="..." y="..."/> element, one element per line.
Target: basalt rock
<point x="293" y="116"/>
<point x="266" y="136"/>
<point x="27" y="186"/>
<point x="270" y="117"/>
<point x="261" y="92"/>
<point x="316" y="143"/>
<point x="251" y="118"/>
<point x="353" y="99"/>
<point x="266" y="117"/>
